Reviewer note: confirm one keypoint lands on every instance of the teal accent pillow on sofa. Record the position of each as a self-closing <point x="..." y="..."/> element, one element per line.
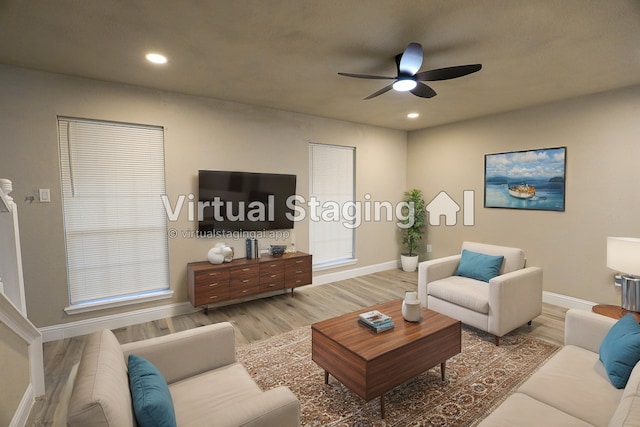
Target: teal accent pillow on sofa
<point x="152" y="404"/>
<point x="479" y="266"/>
<point x="620" y="350"/>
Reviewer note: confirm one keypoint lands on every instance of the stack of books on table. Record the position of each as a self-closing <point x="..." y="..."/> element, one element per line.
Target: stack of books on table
<point x="376" y="321"/>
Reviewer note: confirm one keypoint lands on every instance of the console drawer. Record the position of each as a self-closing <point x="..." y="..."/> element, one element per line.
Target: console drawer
<point x="272" y="276"/>
<point x="211" y="276"/>
<point x="297" y="272"/>
<point x="204" y="296"/>
<point x="247" y="288"/>
<point x="244" y="280"/>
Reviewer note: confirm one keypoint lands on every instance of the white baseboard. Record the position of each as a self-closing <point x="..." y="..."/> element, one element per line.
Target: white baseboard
<point x="87" y="326"/>
<point x="323" y="279"/>
<point x="566" y="301"/>
<point x="21" y="415"/>
<point x="82" y="327"/>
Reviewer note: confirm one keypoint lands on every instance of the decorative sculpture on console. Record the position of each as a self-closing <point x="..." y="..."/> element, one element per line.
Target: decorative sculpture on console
<point x="220" y="253"/>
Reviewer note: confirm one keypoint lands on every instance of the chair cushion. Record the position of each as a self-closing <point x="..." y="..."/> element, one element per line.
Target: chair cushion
<point x="196" y="398"/>
<point x="150" y="394"/>
<point x="470" y="293"/>
<point x="620" y="350"/>
<point x="101" y="394"/>
<point x="513" y="257"/>
<point x="479" y="266"/>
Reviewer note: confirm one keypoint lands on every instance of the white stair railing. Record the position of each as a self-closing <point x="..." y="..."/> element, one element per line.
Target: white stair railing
<point x="13" y="314"/>
<point x="10" y="252"/>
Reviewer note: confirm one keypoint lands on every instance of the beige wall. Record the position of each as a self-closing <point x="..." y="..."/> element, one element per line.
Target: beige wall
<point x="602" y="198"/>
<point x="14" y="371"/>
<point x="600" y="133"/>
<point x="199" y="134"/>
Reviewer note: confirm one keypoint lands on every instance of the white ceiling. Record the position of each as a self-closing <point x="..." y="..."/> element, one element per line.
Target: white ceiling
<point x="286" y="54"/>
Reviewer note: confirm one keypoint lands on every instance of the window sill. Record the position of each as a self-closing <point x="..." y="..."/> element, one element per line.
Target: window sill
<point x="335" y="264"/>
<point x="118" y="302"/>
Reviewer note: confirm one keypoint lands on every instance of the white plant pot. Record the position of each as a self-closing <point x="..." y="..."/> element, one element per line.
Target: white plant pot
<point x="409" y="263"/>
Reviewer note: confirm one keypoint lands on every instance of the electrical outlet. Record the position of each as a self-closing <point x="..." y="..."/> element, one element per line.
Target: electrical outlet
<point x="44" y="195"/>
<point x="429" y="248"/>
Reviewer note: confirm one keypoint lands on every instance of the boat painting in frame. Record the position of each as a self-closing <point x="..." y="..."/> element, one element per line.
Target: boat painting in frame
<point x="532" y="179"/>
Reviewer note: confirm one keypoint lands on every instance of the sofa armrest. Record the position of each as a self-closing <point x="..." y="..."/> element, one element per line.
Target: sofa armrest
<point x="514" y="299"/>
<point x="586" y="329"/>
<point x="435" y="269"/>
<point x="277" y="407"/>
<point x="188" y="353"/>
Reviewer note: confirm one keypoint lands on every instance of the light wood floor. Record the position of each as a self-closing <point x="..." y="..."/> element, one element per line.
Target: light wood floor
<point x="254" y="320"/>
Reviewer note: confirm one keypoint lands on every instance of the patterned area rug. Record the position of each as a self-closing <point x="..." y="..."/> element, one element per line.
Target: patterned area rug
<point x="477" y="380"/>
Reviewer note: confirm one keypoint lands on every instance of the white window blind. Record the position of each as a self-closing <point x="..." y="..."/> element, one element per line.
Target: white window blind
<point x="332" y="184"/>
<point x="114" y="220"/>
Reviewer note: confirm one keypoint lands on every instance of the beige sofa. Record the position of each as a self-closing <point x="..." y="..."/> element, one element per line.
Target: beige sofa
<point x="572" y="388"/>
<point x="506" y="302"/>
<point x="207" y="385"/>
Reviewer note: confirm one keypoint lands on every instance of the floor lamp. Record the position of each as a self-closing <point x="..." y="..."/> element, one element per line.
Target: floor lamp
<point x="623" y="255"/>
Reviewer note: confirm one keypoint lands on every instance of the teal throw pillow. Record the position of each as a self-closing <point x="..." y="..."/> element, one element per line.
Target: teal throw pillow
<point x="620" y="350"/>
<point x="152" y="404"/>
<point x="479" y="266"/>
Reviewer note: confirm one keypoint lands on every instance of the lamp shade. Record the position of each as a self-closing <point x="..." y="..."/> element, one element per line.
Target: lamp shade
<point x="623" y="254"/>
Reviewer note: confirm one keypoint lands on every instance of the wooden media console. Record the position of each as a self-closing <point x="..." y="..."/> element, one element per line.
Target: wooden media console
<point x="212" y="283"/>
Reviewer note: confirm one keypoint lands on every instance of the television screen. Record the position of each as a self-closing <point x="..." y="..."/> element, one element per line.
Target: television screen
<point x="244" y="201"/>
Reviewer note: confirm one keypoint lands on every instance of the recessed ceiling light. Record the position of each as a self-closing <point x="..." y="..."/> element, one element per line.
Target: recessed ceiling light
<point x="413" y="115"/>
<point x="156" y="58"/>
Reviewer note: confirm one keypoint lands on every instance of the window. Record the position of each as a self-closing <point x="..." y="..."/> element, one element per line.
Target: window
<point x="331" y="231"/>
<point x="114" y="221"/>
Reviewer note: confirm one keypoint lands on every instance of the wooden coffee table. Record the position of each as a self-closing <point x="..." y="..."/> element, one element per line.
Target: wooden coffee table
<point x="370" y="363"/>
<point x="613" y="311"/>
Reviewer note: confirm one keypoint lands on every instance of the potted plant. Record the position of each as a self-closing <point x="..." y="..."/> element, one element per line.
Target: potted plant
<point x="412" y="228"/>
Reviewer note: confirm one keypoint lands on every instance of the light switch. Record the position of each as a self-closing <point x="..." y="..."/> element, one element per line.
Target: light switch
<point x="45" y="195"/>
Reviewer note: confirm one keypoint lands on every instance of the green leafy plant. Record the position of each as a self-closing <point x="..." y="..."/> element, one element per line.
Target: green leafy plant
<point x="412" y="228"/>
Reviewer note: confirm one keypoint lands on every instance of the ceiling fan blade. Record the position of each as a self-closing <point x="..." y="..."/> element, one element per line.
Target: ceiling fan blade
<point x="448" y="72"/>
<point x="380" y="92"/>
<point x="423" y="91"/>
<point x="411" y="59"/>
<point x="365" y="76"/>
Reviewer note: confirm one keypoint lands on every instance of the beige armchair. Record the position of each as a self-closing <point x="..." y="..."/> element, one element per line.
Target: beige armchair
<point x="505" y="302"/>
<point x="207" y="385"/>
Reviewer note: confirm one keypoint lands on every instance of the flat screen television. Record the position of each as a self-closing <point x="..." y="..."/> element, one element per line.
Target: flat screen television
<point x="244" y="201"/>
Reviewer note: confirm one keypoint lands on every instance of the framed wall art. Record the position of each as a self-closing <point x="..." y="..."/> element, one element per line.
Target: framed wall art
<point x="532" y="179"/>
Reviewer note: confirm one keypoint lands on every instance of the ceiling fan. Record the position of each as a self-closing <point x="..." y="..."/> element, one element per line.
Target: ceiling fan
<point x="408" y="79"/>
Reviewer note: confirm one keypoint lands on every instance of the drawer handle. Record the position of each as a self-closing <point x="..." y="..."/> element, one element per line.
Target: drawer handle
<point x="273" y="275"/>
<point x="213" y="284"/>
<point x="213" y="297"/>
<point x="273" y="265"/>
<point x="299" y="272"/>
<point x="299" y="261"/>
<point x="246" y="269"/>
<point x="246" y="280"/>
<point x="298" y="281"/>
<point x="213" y="274"/>
<point x="245" y="291"/>
<point x="271" y="285"/>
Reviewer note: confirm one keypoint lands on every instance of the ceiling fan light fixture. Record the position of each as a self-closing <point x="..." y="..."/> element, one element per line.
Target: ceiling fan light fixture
<point x="404" y="85"/>
<point x="409" y="79"/>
